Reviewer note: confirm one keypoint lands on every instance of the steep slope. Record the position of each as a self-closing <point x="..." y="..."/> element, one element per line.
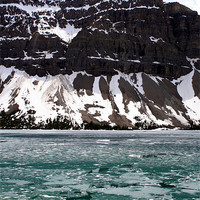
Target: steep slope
<point x="129" y="63"/>
<point x="129" y="100"/>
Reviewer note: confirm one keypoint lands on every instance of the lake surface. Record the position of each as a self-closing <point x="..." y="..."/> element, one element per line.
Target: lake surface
<point x="99" y="165"/>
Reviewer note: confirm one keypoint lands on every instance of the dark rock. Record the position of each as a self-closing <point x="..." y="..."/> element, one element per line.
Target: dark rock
<point x="150" y="156"/>
<point x="104" y="88"/>
<point x="84" y="82"/>
<point x="117" y="185"/>
<point x="98" y="170"/>
<point x="196" y="85"/>
<point x="165" y="185"/>
<point x="159" y="38"/>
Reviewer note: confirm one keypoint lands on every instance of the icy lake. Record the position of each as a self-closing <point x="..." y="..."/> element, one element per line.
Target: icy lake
<point x="99" y="165"/>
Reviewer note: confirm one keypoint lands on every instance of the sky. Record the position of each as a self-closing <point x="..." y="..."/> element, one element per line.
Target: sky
<point x="192" y="4"/>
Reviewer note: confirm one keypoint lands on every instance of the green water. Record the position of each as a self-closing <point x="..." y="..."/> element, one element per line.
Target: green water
<point x="99" y="165"/>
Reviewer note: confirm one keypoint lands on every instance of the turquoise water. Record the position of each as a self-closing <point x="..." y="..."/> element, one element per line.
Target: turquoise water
<point x="99" y="165"/>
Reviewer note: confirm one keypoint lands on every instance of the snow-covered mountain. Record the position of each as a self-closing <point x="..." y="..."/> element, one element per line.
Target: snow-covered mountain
<point x="132" y="63"/>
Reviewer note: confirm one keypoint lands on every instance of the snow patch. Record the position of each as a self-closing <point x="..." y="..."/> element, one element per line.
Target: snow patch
<point x="117" y="95"/>
<point x="9" y="58"/>
<point x="104" y="58"/>
<point x="135" y="61"/>
<point x="31" y="9"/>
<point x="193" y="61"/>
<point x="13" y="38"/>
<point x="185" y="88"/>
<point x="148" y="7"/>
<point x="51" y="96"/>
<point x="139" y="84"/>
<point x="5" y="72"/>
<point x="177" y="115"/>
<point x="156" y="40"/>
<point x="66" y="34"/>
<point x="186" y="91"/>
<point x="155" y="79"/>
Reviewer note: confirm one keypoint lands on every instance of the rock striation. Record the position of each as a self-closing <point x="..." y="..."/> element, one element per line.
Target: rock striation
<point x="130" y="36"/>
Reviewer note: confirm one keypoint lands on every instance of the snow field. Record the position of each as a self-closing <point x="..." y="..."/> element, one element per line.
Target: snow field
<point x="52" y="96"/>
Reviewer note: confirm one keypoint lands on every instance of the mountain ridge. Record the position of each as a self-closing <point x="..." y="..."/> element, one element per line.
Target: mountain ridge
<point x="139" y="55"/>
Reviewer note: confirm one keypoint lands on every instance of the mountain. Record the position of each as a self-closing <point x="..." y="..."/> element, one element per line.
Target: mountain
<point x="192" y="4"/>
<point x="131" y="63"/>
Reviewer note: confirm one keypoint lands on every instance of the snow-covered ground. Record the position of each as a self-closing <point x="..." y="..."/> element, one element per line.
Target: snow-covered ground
<point x="51" y="96"/>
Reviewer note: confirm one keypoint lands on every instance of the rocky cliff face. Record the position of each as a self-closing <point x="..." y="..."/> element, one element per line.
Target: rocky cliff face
<point x="113" y="61"/>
